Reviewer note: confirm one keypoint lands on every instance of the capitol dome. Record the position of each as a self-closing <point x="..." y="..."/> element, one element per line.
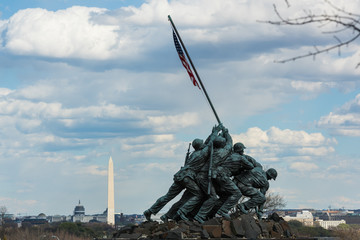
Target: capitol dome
<point x="79" y="209"/>
<point x="41" y="216"/>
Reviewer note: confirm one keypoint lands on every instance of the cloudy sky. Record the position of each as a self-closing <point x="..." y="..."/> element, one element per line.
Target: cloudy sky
<point x="84" y="80"/>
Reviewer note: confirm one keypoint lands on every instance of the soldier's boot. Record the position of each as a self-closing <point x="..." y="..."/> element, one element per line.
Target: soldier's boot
<point x="176" y="217"/>
<point x="182" y="215"/>
<point x="199" y="219"/>
<point x="164" y="218"/>
<point x="259" y="213"/>
<point x="147" y="214"/>
<point x="224" y="215"/>
<point x="242" y="209"/>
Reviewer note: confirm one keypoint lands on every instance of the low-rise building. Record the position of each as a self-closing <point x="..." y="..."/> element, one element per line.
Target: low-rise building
<point x="329" y="223"/>
<point x="305" y="217"/>
<point x="56" y="218"/>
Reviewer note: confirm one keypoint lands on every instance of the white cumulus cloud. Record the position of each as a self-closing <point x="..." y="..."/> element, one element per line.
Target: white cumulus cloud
<point x="68" y="33"/>
<point x="344" y="120"/>
<point x="291" y="145"/>
<point x="303" y="166"/>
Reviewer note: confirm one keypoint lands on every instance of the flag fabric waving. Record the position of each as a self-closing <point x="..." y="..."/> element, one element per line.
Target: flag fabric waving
<point x="183" y="61"/>
<point x="179" y="48"/>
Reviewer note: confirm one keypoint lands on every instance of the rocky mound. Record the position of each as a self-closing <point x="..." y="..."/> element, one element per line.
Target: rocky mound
<point x="243" y="226"/>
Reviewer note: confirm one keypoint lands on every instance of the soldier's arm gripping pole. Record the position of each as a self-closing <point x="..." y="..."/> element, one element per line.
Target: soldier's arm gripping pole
<point x="210" y="168"/>
<point x="192" y="65"/>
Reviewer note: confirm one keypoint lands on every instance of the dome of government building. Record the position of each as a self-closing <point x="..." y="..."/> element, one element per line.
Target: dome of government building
<point x="79" y="209"/>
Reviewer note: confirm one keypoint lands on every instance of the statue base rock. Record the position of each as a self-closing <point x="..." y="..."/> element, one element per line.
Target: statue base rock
<point x="239" y="227"/>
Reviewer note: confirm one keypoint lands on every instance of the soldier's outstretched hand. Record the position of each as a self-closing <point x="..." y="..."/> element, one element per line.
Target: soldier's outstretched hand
<point x="216" y="129"/>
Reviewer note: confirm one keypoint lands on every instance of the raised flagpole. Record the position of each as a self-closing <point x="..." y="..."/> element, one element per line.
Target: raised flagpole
<point x="193" y="67"/>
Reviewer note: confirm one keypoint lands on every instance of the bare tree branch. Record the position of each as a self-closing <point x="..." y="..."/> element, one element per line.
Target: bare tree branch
<point x="343" y="21"/>
<point x="287" y="3"/>
<point x="341" y="10"/>
<point x="274" y="201"/>
<point x="317" y="52"/>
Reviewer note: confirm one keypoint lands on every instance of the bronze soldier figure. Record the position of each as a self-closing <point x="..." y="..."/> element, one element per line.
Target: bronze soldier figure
<point x="254" y="184"/>
<point x="222" y="149"/>
<point x="185" y="179"/>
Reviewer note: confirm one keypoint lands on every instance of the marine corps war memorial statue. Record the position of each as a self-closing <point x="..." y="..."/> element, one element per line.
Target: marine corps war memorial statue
<point x="221" y="195"/>
<point x="215" y="176"/>
<point x="221" y="189"/>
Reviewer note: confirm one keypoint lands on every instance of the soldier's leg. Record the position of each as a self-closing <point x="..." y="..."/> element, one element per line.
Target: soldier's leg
<point x="173" y="191"/>
<point x="255" y="200"/>
<point x="256" y="197"/>
<point x="222" y="198"/>
<point x="217" y="206"/>
<point x="176" y="206"/>
<point x="209" y="203"/>
<point x="232" y="193"/>
<point x="195" y="197"/>
<point x="193" y="213"/>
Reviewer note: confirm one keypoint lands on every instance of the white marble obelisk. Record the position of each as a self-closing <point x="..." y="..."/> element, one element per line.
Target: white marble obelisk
<point x="111" y="208"/>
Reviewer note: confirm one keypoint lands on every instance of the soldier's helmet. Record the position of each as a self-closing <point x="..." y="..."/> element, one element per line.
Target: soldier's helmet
<point x="197" y="143"/>
<point x="272" y="173"/>
<point x="219" y="142"/>
<point x="238" y="147"/>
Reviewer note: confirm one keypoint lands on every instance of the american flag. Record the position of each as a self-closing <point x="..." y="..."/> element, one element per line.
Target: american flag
<point x="183" y="60"/>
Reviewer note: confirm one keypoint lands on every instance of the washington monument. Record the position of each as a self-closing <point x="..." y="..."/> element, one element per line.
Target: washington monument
<point x="111" y="208"/>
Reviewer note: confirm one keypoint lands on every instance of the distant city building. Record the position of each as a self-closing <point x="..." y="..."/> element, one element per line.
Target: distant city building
<point x="56" y="218"/>
<point x="323" y="218"/>
<point x="38" y="220"/>
<point x="352" y="219"/>
<point x="123" y="220"/>
<point x="79" y="215"/>
<point x="79" y="209"/>
<point x="329" y="224"/>
<point x="305" y="217"/>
